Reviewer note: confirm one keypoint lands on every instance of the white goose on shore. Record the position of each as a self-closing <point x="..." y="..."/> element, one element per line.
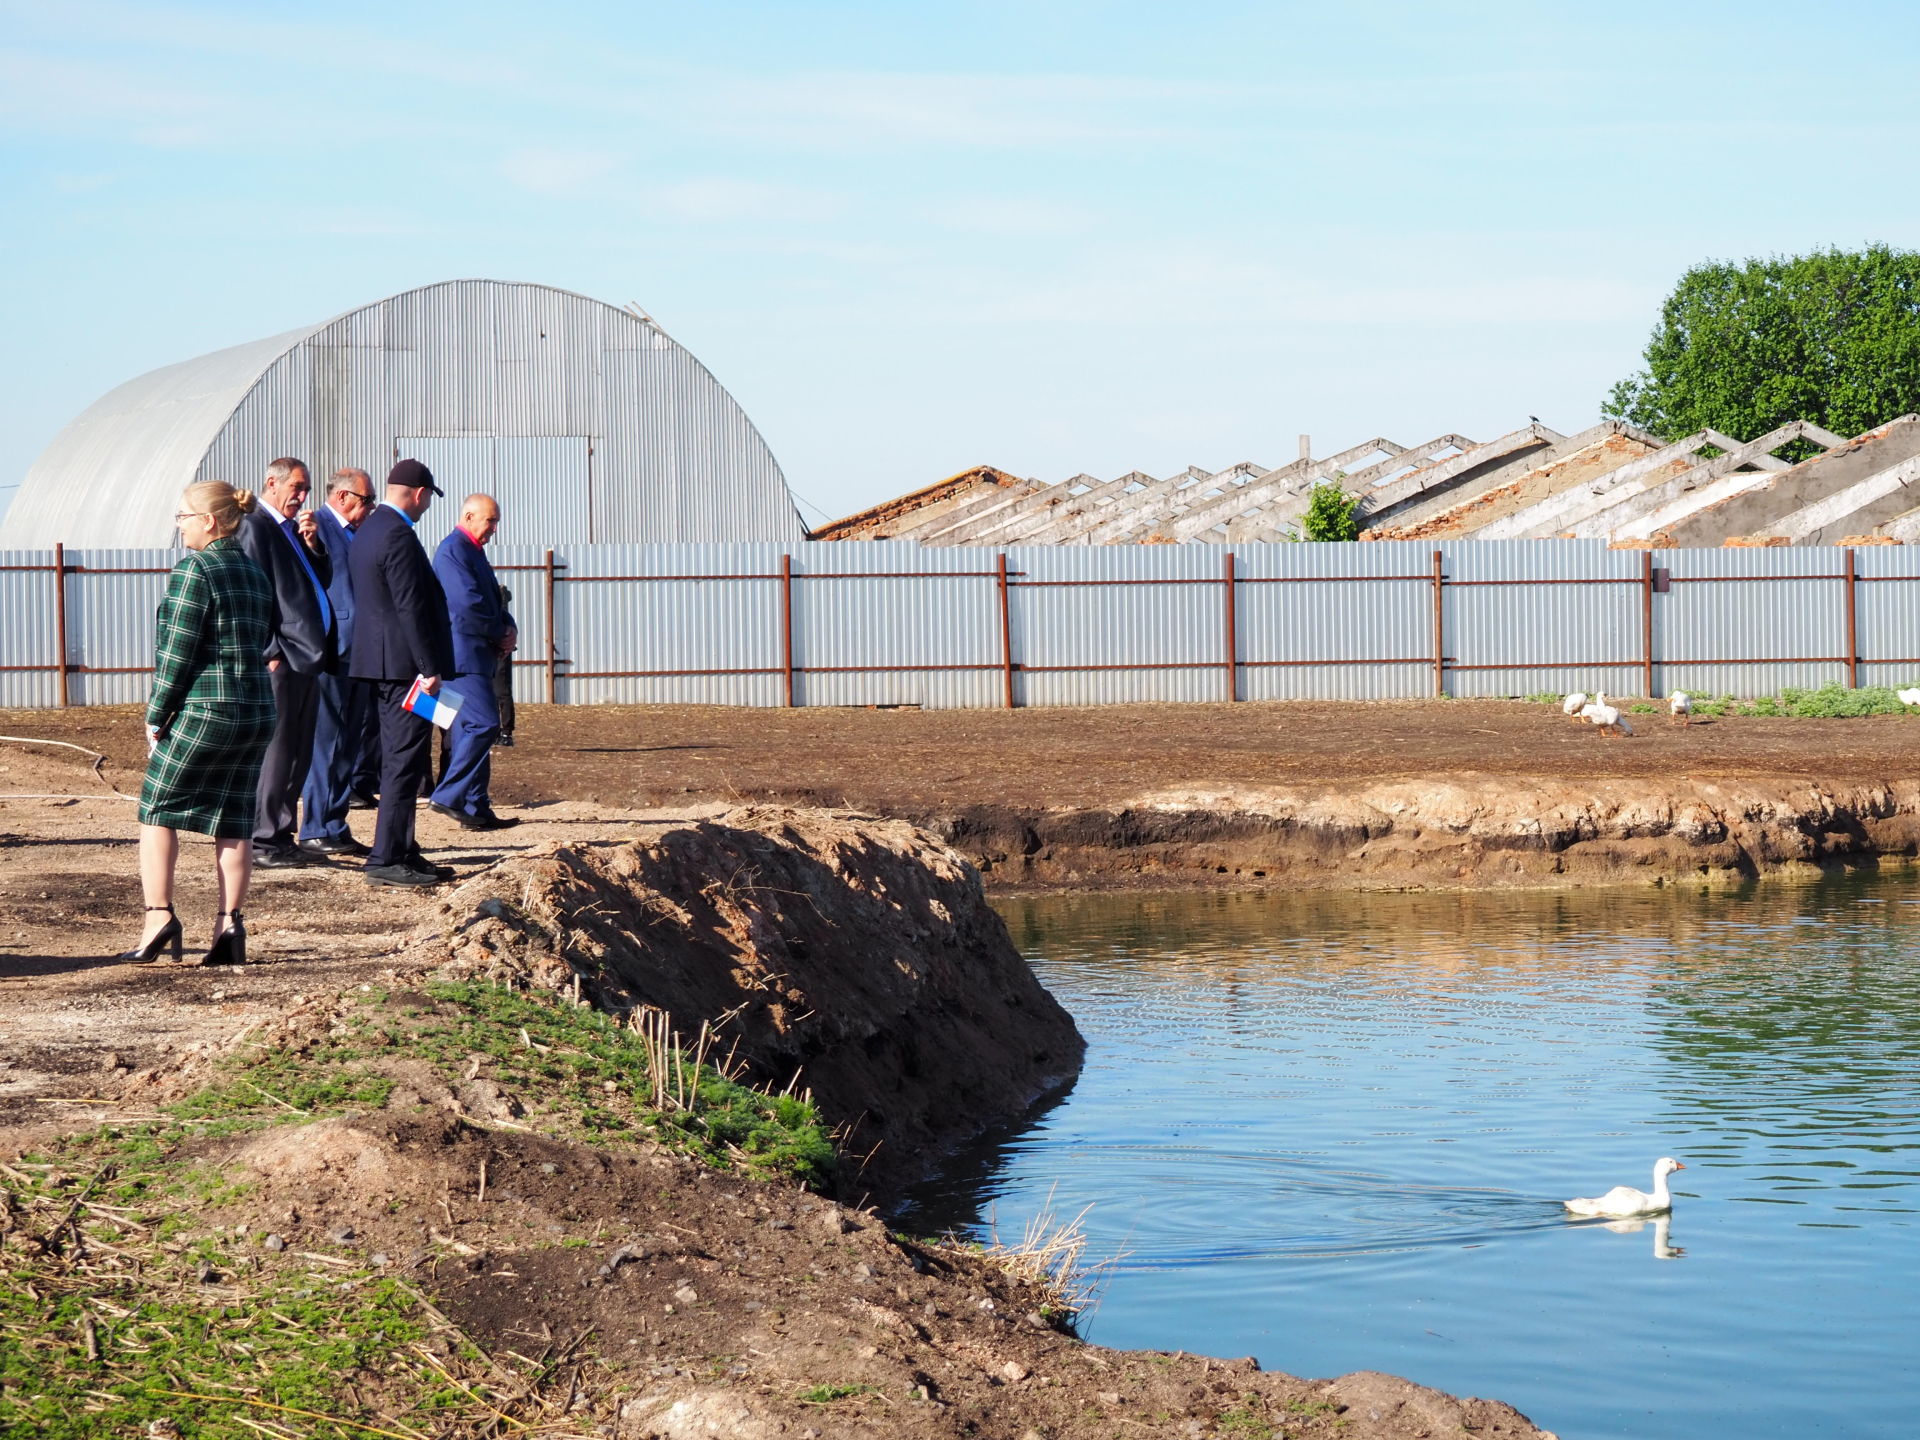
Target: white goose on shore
<point x="1907" y="697"/>
<point x="1624" y="1200"/>
<point x="1605" y="717"/>
<point x="1680" y="707"/>
<point x="1573" y="705"/>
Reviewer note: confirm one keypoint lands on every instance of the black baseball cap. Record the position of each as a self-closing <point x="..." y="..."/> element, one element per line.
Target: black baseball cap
<point x="415" y="475"/>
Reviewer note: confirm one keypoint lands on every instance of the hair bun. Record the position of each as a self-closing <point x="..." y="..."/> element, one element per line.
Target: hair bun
<point x="244" y="502"/>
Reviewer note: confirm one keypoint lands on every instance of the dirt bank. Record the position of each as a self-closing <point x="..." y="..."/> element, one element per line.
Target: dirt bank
<point x="1474" y="831"/>
<point x="455" y="1197"/>
<point x="1441" y="793"/>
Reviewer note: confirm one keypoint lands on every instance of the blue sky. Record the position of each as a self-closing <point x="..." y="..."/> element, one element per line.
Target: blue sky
<point x="911" y="238"/>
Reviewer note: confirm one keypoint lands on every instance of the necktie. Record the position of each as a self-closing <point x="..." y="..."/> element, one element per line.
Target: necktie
<point x="319" y="590"/>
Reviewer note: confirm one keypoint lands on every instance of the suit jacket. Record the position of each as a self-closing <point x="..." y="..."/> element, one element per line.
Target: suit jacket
<point x="474" y="605"/>
<point x="399" y="613"/>
<point x="303" y="638"/>
<point x="339" y="542"/>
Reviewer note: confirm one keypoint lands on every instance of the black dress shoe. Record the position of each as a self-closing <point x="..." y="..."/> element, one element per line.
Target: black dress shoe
<point x="327" y="845"/>
<point x="491" y="821"/>
<point x="277" y="858"/>
<point x="427" y="867"/>
<point x="231" y="946"/>
<point x="400" y="875"/>
<point x="168" y="936"/>
<point x="360" y="800"/>
<point x="506" y="740"/>
<point x="459" y="817"/>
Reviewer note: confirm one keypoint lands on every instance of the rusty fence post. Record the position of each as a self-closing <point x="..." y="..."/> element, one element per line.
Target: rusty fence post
<point x="1853" y="624"/>
<point x="553" y="643"/>
<point x="786" y="627"/>
<point x="1006" y="631"/>
<point x="60" y="625"/>
<point x="1646" y="618"/>
<point x="1233" y="631"/>
<point x="1439" y="626"/>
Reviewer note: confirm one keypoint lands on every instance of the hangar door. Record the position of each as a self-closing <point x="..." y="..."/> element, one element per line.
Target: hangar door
<point x="544" y="484"/>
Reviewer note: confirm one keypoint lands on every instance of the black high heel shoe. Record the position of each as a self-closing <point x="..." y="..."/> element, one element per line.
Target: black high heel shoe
<point x="168" y="935"/>
<point x="231" y="946"/>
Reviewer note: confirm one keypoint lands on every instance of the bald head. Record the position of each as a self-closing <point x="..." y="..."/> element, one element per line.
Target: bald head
<point x="480" y="517"/>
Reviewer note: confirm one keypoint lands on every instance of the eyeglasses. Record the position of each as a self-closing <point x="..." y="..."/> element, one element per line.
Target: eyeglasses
<point x="180" y="515"/>
<point x="356" y="494"/>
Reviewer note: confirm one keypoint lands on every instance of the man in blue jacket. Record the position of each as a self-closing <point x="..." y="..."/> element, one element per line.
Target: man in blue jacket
<point x="400" y="637"/>
<point x="342" y="730"/>
<point x="483" y="636"/>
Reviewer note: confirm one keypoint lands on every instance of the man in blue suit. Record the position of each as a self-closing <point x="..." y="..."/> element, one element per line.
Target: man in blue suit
<point x="400" y="638"/>
<point x="483" y="635"/>
<point x="342" y="729"/>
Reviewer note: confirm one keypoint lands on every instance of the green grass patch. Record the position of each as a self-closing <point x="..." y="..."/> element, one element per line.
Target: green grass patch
<point x="832" y="1394"/>
<point x="123" y="1296"/>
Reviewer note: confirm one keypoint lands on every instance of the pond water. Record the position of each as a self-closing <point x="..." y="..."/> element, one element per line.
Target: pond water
<point x="1333" y="1131"/>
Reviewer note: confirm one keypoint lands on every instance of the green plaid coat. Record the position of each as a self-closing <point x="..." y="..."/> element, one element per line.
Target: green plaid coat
<point x="211" y="700"/>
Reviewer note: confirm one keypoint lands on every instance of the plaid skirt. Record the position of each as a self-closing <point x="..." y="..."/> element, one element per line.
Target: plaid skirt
<point x="205" y="775"/>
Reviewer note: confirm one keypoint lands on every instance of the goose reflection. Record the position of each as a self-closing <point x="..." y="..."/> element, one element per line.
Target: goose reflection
<point x="1663" y="1249"/>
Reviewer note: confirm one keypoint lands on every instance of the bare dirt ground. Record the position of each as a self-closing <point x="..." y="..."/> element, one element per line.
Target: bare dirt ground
<point x="69" y="893"/>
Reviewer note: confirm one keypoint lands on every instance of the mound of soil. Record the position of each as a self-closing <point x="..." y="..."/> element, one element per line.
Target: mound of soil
<point x="699" y="1304"/>
<point x="852" y="957"/>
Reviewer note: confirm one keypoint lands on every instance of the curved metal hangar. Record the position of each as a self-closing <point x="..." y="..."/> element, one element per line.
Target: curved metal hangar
<point x="586" y="422"/>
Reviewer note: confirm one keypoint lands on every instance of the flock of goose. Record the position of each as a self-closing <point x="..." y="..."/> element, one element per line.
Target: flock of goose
<point x="1608" y="719"/>
<point x="1597" y="712"/>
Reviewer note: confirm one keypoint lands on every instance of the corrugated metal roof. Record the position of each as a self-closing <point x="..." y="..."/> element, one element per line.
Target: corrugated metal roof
<point x="671" y="456"/>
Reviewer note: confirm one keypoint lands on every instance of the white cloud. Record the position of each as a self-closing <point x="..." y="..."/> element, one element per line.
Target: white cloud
<point x="554" y="170"/>
<point x="717" y="198"/>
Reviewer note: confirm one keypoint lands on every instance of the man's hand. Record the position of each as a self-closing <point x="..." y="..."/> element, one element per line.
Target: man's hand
<point x="430" y="684"/>
<point x="273" y="664"/>
<point x="308" y="529"/>
<point x="510" y="641"/>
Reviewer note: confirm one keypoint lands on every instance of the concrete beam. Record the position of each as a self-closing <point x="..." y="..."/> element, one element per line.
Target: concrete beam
<point x="1282" y="493"/>
<point x="1529" y="480"/>
<point x="1645" y="513"/>
<point x="1759" y="510"/>
<point x="1277" y="521"/>
<point x="1554" y="515"/>
<point x="1381" y="500"/>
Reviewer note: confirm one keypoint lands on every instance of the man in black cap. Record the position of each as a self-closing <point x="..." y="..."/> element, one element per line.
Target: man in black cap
<point x="401" y="634"/>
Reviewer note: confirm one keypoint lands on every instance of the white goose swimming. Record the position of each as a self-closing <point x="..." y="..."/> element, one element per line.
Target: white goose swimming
<point x="1624" y="1200"/>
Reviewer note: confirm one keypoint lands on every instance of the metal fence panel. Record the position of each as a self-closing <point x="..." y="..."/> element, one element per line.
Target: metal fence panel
<point x="1776" y="618"/>
<point x="29" y="638"/>
<point x="1888" y="613"/>
<point x="1335" y="622"/>
<point x="112" y="597"/>
<point x="942" y="633"/>
<point x="1104" y="644"/>
<point x="621" y="638"/>
<point x="1508" y="634"/>
<point x="868" y="623"/>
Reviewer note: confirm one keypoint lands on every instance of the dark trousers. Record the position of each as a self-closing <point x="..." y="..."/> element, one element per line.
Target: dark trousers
<point x="465" y="782"/>
<point x="503" y="693"/>
<point x="289" y="754"/>
<point x="342" y="728"/>
<point x="406" y="754"/>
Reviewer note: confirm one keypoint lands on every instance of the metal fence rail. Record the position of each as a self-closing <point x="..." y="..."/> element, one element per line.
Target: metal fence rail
<point x="882" y="623"/>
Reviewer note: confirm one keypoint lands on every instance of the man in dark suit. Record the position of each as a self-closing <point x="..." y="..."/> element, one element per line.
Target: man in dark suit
<point x="400" y="634"/>
<point x="284" y="541"/>
<point x="345" y="713"/>
<point x="483" y="635"/>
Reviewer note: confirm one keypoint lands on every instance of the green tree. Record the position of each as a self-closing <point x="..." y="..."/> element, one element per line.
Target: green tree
<point x="1330" y="513"/>
<point x="1832" y="337"/>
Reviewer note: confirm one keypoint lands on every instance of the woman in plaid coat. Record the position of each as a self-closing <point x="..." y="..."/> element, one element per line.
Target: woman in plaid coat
<point x="208" y="720"/>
